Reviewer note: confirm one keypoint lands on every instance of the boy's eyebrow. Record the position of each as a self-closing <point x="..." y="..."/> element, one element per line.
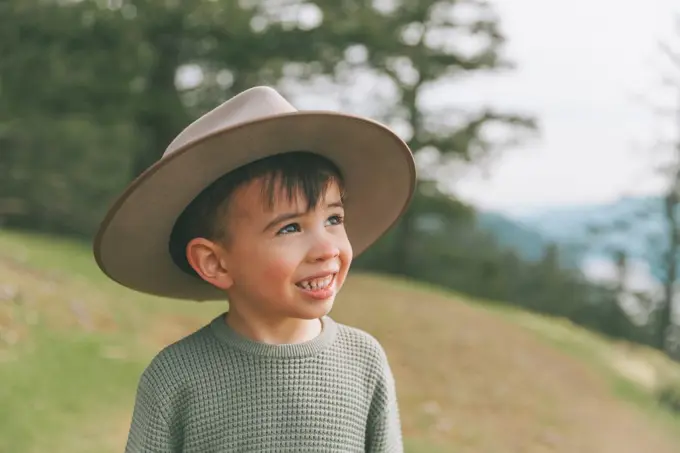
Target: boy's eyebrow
<point x="291" y="215"/>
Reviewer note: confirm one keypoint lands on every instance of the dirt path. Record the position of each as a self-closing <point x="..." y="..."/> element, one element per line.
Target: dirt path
<point x="484" y="385"/>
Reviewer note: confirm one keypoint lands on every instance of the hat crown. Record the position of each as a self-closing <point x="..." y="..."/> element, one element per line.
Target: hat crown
<point x="249" y="105"/>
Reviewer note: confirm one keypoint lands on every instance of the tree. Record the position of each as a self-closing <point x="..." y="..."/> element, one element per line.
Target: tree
<point x="665" y="329"/>
<point x="414" y="47"/>
<point x="662" y="248"/>
<point x="129" y="59"/>
<point x="116" y="71"/>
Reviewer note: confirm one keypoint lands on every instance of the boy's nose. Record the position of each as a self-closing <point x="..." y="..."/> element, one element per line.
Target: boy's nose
<point x="324" y="250"/>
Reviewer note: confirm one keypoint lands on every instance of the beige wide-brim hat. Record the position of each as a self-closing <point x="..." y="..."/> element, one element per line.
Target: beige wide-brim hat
<point x="132" y="244"/>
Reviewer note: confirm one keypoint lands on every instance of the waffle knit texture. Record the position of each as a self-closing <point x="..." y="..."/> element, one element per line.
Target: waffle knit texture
<point x="217" y="391"/>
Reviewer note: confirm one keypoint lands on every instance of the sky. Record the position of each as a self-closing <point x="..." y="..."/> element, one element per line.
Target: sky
<point x="584" y="69"/>
<point x="590" y="72"/>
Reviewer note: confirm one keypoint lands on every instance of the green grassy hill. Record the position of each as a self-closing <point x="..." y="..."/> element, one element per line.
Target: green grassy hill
<point x="472" y="376"/>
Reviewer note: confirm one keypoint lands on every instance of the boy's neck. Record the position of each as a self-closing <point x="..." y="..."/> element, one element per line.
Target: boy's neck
<point x="273" y="331"/>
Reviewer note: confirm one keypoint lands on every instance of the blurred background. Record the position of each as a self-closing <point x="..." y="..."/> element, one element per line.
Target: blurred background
<point x="526" y="299"/>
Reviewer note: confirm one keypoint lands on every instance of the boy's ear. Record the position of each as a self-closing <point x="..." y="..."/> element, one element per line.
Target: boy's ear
<point x="206" y="258"/>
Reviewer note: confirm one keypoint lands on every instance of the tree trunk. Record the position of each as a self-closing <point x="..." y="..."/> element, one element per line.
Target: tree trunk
<point x="406" y="229"/>
<point x="403" y="244"/>
<point x="666" y="310"/>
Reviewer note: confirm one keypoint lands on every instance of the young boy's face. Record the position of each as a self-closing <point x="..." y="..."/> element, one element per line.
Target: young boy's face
<point x="285" y="262"/>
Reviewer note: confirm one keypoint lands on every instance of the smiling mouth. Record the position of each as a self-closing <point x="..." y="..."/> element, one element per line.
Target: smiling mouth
<point x="316" y="284"/>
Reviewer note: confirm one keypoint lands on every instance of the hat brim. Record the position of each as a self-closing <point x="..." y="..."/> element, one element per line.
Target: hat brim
<point x="131" y="246"/>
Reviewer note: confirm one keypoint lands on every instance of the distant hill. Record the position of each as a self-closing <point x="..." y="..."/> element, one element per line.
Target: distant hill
<point x="528" y="242"/>
<point x="632" y="224"/>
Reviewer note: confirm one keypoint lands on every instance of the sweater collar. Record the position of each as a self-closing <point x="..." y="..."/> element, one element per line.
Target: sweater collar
<point x="231" y="338"/>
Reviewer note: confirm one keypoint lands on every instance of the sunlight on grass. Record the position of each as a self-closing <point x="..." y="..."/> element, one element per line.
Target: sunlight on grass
<point x="59" y="380"/>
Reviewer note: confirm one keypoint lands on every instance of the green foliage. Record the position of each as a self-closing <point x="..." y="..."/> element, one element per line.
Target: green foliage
<point x="113" y="66"/>
<point x="668" y="396"/>
<point x="61" y="178"/>
<point x="447" y="248"/>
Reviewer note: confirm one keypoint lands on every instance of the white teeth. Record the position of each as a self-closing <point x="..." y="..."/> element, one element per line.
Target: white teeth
<point x="317" y="283"/>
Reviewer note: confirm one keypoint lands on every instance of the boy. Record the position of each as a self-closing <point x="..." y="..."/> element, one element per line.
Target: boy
<point x="248" y="204"/>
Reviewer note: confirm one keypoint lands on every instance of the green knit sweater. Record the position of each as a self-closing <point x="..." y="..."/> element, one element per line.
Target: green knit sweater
<point x="217" y="391"/>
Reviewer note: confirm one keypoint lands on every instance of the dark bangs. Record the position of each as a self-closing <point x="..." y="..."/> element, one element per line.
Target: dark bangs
<point x="293" y="174"/>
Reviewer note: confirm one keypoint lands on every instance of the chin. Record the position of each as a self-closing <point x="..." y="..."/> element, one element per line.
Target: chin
<point x="319" y="310"/>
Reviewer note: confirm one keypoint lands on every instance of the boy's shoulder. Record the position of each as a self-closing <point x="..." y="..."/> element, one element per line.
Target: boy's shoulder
<point x="364" y="351"/>
<point x="182" y="358"/>
<point x="357" y="335"/>
<point x="361" y="343"/>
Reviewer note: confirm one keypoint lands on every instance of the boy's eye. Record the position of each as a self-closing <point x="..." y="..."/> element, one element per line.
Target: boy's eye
<point x="290" y="228"/>
<point x="335" y="220"/>
<point x="295" y="227"/>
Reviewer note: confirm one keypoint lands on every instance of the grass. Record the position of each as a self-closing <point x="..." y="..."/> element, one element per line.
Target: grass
<point x="51" y="390"/>
<point x="472" y="376"/>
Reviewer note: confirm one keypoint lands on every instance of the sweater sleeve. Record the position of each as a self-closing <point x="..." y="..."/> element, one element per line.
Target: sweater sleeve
<point x="149" y="430"/>
<point x="384" y="424"/>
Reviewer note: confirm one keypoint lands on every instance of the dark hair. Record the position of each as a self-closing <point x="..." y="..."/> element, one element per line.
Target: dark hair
<point x="296" y="172"/>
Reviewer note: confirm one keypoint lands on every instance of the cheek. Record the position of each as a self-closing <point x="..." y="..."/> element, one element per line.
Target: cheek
<point x="346" y="256"/>
<point x="276" y="269"/>
<point x="263" y="267"/>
